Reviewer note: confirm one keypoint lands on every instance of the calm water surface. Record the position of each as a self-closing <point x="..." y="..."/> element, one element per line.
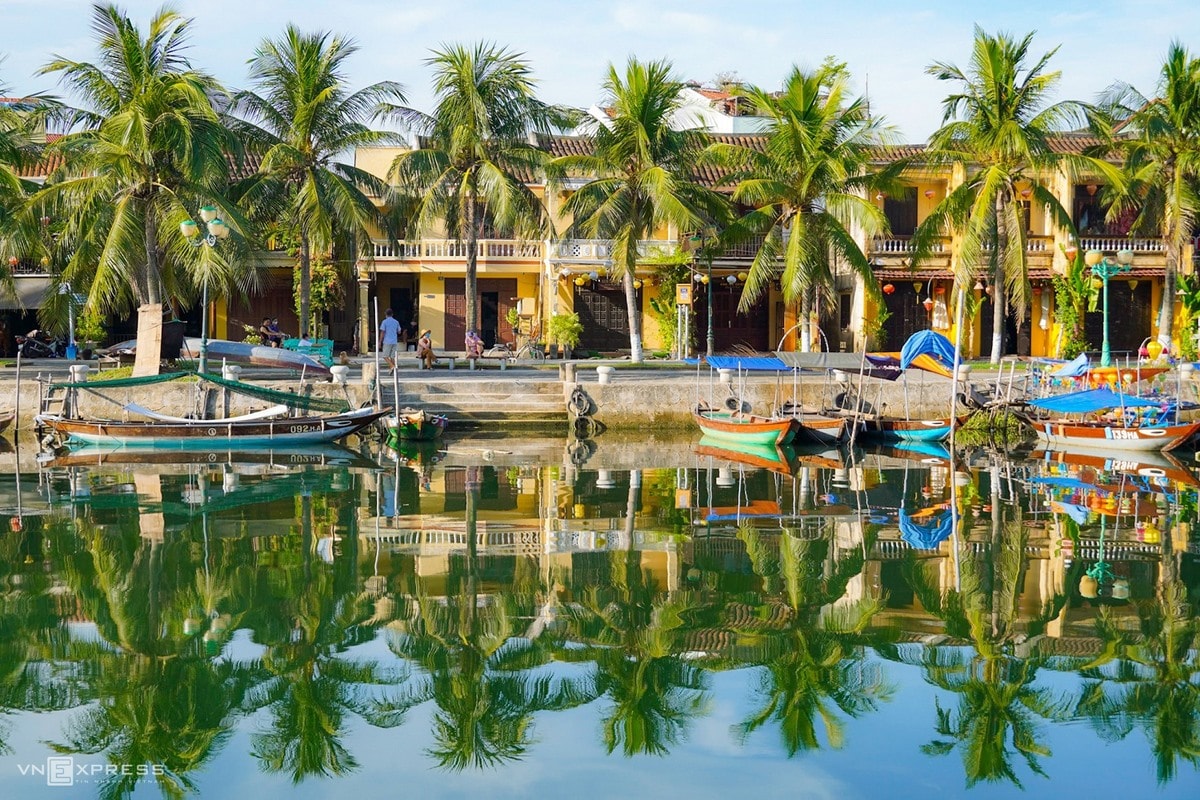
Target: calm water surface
<point x="518" y="618"/>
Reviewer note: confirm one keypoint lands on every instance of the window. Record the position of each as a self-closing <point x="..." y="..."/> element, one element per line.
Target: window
<point x="845" y="304"/>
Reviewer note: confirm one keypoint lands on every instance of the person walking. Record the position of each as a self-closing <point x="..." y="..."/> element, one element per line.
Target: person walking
<point x="389" y="333"/>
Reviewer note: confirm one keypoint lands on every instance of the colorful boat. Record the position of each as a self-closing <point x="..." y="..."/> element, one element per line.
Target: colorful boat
<point x="737" y="426"/>
<point x="415" y="425"/>
<point x="325" y="454"/>
<point x="821" y="429"/>
<point x="898" y="429"/>
<point x="1131" y="431"/>
<point x="759" y="456"/>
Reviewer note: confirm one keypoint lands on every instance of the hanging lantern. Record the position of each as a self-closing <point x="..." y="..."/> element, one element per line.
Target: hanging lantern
<point x="189" y="229"/>
<point x="580" y="280"/>
<point x="45" y="261"/>
<point x="637" y="284"/>
<point x="1088" y="586"/>
<point x="565" y="273"/>
<point x="742" y="277"/>
<point x="731" y="280"/>
<point x="888" y="288"/>
<point x="697" y="277"/>
<point x="928" y="303"/>
<point x="594" y="275"/>
<point x="13" y="261"/>
<point x="1133" y="284"/>
<point x="1154" y="348"/>
<point x="1026" y="192"/>
<point x="602" y="270"/>
<point x="929" y="193"/>
<point x="1120" y="589"/>
<point x="704" y="279"/>
<point x="1071" y="250"/>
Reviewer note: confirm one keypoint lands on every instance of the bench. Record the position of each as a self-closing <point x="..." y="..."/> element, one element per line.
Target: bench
<point x="320" y="349"/>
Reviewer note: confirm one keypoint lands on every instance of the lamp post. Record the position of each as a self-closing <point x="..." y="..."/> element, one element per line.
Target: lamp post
<point x="706" y="241"/>
<point x="1105" y="268"/>
<point x="217" y="230"/>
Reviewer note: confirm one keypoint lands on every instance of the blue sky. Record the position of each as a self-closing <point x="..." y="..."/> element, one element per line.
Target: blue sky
<point x="570" y="42"/>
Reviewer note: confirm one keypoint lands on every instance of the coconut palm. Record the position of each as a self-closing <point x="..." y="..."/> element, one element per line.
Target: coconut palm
<point x="1158" y="140"/>
<point x="148" y="144"/>
<point x="808" y="187"/>
<point x="304" y="120"/>
<point x="997" y="125"/>
<point x="18" y="149"/>
<point x="476" y="157"/>
<point x="641" y="171"/>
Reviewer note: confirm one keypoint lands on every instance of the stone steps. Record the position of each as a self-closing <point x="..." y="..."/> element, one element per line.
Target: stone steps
<point x="468" y="406"/>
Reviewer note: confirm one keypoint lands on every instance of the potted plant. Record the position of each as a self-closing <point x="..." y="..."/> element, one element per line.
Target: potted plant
<point x="89" y="332"/>
<point x="514" y="320"/>
<point x="565" y="331"/>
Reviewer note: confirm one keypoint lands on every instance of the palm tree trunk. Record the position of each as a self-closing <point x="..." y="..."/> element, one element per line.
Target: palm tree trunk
<point x="635" y="316"/>
<point x="305" y="282"/>
<point x="998" y="281"/>
<point x="472" y="281"/>
<point x="1166" y="309"/>
<point x="805" y="321"/>
<point x="152" y="287"/>
<point x="149" y="290"/>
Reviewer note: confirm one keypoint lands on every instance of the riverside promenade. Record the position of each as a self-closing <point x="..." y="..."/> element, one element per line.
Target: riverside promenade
<point x="654" y="395"/>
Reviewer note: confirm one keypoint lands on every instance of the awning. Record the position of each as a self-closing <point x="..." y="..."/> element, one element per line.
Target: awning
<point x="31" y="294"/>
<point x="877" y="365"/>
<point x="1092" y="400"/>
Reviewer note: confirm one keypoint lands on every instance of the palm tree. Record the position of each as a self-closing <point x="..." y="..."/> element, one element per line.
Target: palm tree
<point x="304" y="120"/>
<point x="642" y="170"/>
<point x="149" y="144"/>
<point x="17" y="149"/>
<point x="1159" y="141"/>
<point x="998" y="126"/>
<point x="476" y="158"/>
<point x="806" y="187"/>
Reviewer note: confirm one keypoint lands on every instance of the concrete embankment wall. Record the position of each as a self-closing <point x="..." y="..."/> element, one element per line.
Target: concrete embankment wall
<point x="635" y="402"/>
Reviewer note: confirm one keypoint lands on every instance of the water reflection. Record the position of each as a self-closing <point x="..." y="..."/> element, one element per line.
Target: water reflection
<point x="165" y="609"/>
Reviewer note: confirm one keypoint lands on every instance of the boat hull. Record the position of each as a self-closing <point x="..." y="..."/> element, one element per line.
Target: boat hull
<point x="896" y="429"/>
<point x="758" y="456"/>
<point x="203" y="433"/>
<point x="820" y="429"/>
<point x="257" y="355"/>
<point x="1145" y="439"/>
<point x="416" y="426"/>
<point x="746" y="428"/>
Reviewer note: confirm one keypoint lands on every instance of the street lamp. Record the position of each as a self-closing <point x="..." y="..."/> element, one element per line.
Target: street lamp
<point x="217" y="230"/>
<point x="706" y="240"/>
<point x="1104" y="268"/>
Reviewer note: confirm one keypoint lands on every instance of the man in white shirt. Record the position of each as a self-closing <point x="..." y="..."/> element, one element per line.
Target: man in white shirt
<point x="389" y="333"/>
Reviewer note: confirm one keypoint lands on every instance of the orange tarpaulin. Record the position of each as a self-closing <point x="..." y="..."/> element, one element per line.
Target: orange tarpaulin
<point x="922" y="362"/>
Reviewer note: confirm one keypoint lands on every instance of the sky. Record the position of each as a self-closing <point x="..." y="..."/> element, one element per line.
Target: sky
<point x="570" y="43"/>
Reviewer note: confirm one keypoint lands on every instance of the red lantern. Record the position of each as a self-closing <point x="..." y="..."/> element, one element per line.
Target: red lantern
<point x="929" y="194"/>
<point x="928" y="303"/>
<point x="13" y="261"/>
<point x="888" y="288"/>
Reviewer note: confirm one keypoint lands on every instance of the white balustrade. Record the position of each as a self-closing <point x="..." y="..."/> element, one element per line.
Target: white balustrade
<point x="452" y="250"/>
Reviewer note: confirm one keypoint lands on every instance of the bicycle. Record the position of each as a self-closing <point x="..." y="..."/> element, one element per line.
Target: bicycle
<point x="526" y="350"/>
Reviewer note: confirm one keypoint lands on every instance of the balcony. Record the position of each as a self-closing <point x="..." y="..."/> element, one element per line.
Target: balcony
<point x="451" y="250"/>
<point x="599" y="251"/>
<point x="897" y="251"/>
<point x="1112" y="244"/>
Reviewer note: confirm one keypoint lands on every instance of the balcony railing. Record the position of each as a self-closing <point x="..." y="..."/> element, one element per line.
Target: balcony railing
<point x="599" y="251"/>
<point x="452" y="250"/>
<point x="902" y="245"/>
<point x="1113" y="244"/>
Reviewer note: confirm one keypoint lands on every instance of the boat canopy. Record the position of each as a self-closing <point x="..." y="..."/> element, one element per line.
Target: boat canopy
<point x="928" y="343"/>
<point x="1092" y="400"/>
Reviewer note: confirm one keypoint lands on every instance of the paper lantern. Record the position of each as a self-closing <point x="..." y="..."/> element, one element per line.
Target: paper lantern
<point x="637" y="284"/>
<point x="594" y="275"/>
<point x="580" y="281"/>
<point x="742" y="276"/>
<point x="928" y="303"/>
<point x="13" y="261"/>
<point x="731" y="280"/>
<point x="189" y="229"/>
<point x="1154" y="348"/>
<point x="704" y="279"/>
<point x="1088" y="586"/>
<point x="929" y="193"/>
<point x="888" y="288"/>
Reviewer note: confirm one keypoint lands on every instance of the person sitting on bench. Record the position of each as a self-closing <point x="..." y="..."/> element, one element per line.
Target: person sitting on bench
<point x="474" y="345"/>
<point x="425" y="350"/>
<point x="271" y="335"/>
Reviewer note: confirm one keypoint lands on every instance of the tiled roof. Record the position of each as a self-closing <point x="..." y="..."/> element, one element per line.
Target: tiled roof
<point x="887" y="154"/>
<point x="558" y="146"/>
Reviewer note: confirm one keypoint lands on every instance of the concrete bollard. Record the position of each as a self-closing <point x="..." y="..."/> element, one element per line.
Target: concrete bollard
<point x="725" y="376"/>
<point x="368" y="373"/>
<point x="339" y="374"/>
<point x="604" y="374"/>
<point x="566" y="371"/>
<point x="231" y="372"/>
<point x="1187" y="372"/>
<point x="79" y="373"/>
<point x="964" y="372"/>
<point x="451" y="360"/>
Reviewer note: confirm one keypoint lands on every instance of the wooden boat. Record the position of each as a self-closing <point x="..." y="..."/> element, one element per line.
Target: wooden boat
<point x="415" y="425"/>
<point x="1158" y="468"/>
<point x="251" y="430"/>
<point x="1098" y="435"/>
<point x="1143" y="424"/>
<point x="737" y="426"/>
<point x="820" y="429"/>
<point x="219" y="350"/>
<point x="898" y="429"/>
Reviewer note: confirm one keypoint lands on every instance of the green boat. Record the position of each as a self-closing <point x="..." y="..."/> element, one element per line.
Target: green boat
<point x="415" y="425"/>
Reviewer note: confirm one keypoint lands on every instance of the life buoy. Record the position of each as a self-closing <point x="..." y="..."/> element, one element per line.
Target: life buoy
<point x="579" y="404"/>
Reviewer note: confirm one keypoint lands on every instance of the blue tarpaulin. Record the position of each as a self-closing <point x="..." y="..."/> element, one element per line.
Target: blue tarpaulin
<point x="1073" y="510"/>
<point x="1091" y="400"/>
<point x="751" y="363"/>
<point x="927" y="343"/>
<point x="926" y="536"/>
<point x="1074" y="368"/>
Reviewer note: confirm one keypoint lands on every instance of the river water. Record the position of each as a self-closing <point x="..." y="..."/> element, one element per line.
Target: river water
<point x="543" y="617"/>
